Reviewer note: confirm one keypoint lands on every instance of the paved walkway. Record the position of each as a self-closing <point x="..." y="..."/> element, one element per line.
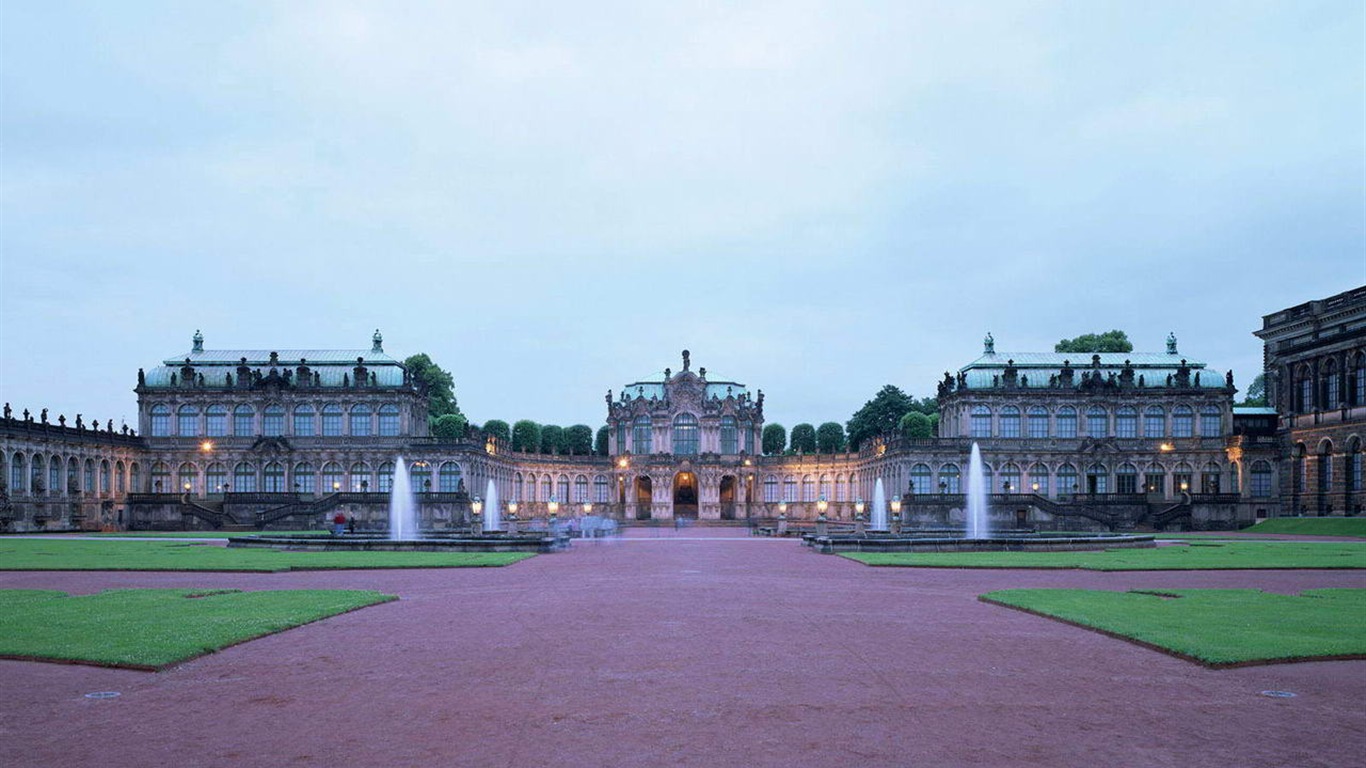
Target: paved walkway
<point x="697" y="650"/>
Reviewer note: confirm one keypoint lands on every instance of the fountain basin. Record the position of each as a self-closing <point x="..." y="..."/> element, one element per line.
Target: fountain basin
<point x="1000" y="543"/>
<point x="530" y="542"/>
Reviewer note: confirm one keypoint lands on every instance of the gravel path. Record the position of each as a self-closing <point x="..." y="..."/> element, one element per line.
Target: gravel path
<point x="701" y="650"/>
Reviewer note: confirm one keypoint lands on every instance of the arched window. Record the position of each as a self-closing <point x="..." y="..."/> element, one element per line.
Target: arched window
<point x="333" y="478"/>
<point x="18" y="473"/>
<point x="1325" y="467"/>
<point x="771" y="489"/>
<point x="1097" y="479"/>
<point x="386" y="477"/>
<point x="748" y="429"/>
<point x="1357" y="386"/>
<point x="1065" y="423"/>
<point x="134" y="477"/>
<point x="273" y="421"/>
<point x="789" y="488"/>
<point x="949" y="479"/>
<point x="332" y="420"/>
<point x="1305" y="395"/>
<point x="1038" y="422"/>
<point x="448" y="477"/>
<point x="1209" y="478"/>
<point x="1010" y="421"/>
<point x="1154" y="421"/>
<point x="1038" y="480"/>
<point x="388" y="420"/>
<point x="1181" y="478"/>
<point x="841" y="489"/>
<point x="305" y="481"/>
<point x="1097" y="422"/>
<point x="161" y="421"/>
<point x="216" y="420"/>
<point x="1183" y="421"/>
<point x="215" y="478"/>
<point x="105" y="484"/>
<point x="685" y="435"/>
<point x="161" y="477"/>
<point x="303" y="421"/>
<point x="360" y="420"/>
<point x="730" y="442"/>
<point x="244" y="421"/>
<point x="642" y="440"/>
<point x="1126" y="423"/>
<point x="1261" y="479"/>
<point x="1331" y="385"/>
<point x="580" y="489"/>
<point x="562" y="489"/>
<point x="1009" y="480"/>
<point x="601" y="489"/>
<point x="54" y="476"/>
<point x="1126" y="479"/>
<point x="546" y="488"/>
<point x="187" y="479"/>
<point x="187" y="421"/>
<point x="980" y="421"/>
<point x="1210" y="422"/>
<point x="1155" y="478"/>
<point x="360" y="477"/>
<point x="1067" y="480"/>
<point x="38" y="481"/>
<point x="808" y="488"/>
<point x="244" y="478"/>
<point x="1354" y="469"/>
<point x="421" y="474"/>
<point x="273" y="476"/>
<point x="825" y="491"/>
<point x="1300" y="476"/>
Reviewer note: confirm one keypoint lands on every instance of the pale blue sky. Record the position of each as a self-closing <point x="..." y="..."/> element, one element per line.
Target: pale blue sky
<point x="552" y="199"/>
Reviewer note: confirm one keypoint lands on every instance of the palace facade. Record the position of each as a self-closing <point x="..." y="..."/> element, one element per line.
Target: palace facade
<point x="280" y="438"/>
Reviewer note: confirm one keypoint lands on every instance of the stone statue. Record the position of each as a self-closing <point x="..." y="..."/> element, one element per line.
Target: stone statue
<point x="989" y="345"/>
<point x="27" y="417"/>
<point x="61" y="421"/>
<point x="686" y="359"/>
<point x="8" y="413"/>
<point x="44" y="416"/>
<point x="1171" y="343"/>
<point x="79" y="424"/>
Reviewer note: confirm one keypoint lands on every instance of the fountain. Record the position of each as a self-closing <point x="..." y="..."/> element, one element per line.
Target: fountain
<point x="493" y="514"/>
<point x="979" y="526"/>
<point x="402" y="505"/>
<point x="878" y="521"/>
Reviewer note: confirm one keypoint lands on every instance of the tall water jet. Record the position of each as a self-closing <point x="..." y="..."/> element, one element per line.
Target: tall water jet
<point x="402" y="505"/>
<point x="978" y="523"/>
<point x="878" y="521"/>
<point x="493" y="514"/>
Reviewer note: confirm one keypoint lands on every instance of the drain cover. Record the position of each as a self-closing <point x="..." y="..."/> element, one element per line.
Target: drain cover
<point x="1279" y="694"/>
<point x="103" y="695"/>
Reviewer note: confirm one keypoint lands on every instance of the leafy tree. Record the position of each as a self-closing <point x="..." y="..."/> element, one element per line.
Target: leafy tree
<point x="804" y="438"/>
<point x="916" y="425"/>
<point x="600" y="443"/>
<point x="1110" y="341"/>
<point x="440" y="385"/>
<point x="526" y="436"/>
<point x="1256" y="392"/>
<point x="578" y="440"/>
<point x="881" y="415"/>
<point x="449" y="425"/>
<point x="552" y="438"/>
<point x="499" y="429"/>
<point x="774" y="439"/>
<point x="830" y="437"/>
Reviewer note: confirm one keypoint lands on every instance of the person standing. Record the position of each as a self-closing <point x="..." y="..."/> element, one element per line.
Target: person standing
<point x="339" y="524"/>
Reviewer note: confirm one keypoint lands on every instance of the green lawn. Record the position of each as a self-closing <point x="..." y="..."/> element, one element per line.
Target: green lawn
<point x="154" y="628"/>
<point x="1216" y="627"/>
<point x="1213" y="555"/>
<point x="190" y="534"/>
<point x="1312" y="526"/>
<point x="68" y="555"/>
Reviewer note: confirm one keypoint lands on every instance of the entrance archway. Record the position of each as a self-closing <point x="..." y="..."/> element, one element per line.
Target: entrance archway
<point x="685" y="495"/>
<point x="728" y="497"/>
<point x="644" y="497"/>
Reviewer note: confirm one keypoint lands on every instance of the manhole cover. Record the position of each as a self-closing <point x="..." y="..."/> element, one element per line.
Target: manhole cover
<point x="1279" y="694"/>
<point x="103" y="695"/>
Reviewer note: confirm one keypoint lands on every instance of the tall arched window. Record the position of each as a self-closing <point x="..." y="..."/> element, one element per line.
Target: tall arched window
<point x="1154" y="421"/>
<point x="187" y="421"/>
<point x="1065" y="423"/>
<point x="1299" y="478"/>
<point x="273" y="420"/>
<point x="161" y="477"/>
<point x="771" y="489"/>
<point x="244" y="478"/>
<point x="18" y="473"/>
<point x="642" y="439"/>
<point x="949" y="479"/>
<point x="789" y="488"/>
<point x="1155" y="478"/>
<point x="685" y="435"/>
<point x="1357" y="388"/>
<point x="1126" y="478"/>
<point x="601" y="489"/>
<point x="333" y="478"/>
<point x="825" y="491"/>
<point x="730" y="443"/>
<point x="161" y="420"/>
<point x="303" y="421"/>
<point x="1097" y="422"/>
<point x="547" y="489"/>
<point x="105" y="481"/>
<point x="134" y="478"/>
<point x="360" y="477"/>
<point x="215" y="478"/>
<point x="980" y="421"/>
<point x="1038" y="422"/>
<point x="54" y="476"/>
<point x="273" y="476"/>
<point x="1261" y="479"/>
<point x="360" y="420"/>
<point x="1097" y="479"/>
<point x="1126" y="422"/>
<point x="1325" y="467"/>
<point x="187" y="479"/>
<point x="388" y="420"/>
<point x="1038" y="480"/>
<point x="1354" y="469"/>
<point x="1182" y="479"/>
<point x="1210" y="422"/>
<point x="38" y="482"/>
<point x="1331" y="385"/>
<point x="332" y="420"/>
<point x="244" y="421"/>
<point x="216" y="420"/>
<point x="386" y="477"/>
<point x="580" y="489"/>
<point x="421" y="474"/>
<point x="562" y="488"/>
<point x="305" y="481"/>
<point x="1305" y="395"/>
<point x="1209" y="478"/>
<point x="1183" y="421"/>
<point x="1067" y="480"/>
<point x="1009" y="480"/>
<point x="1010" y="421"/>
<point x="841" y="489"/>
<point x="808" y="488"/>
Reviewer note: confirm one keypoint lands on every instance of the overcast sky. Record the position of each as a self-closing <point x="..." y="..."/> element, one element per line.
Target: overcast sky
<point x="553" y="199"/>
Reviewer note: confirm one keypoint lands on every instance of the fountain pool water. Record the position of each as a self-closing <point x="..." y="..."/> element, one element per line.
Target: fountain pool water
<point x="402" y="505"/>
<point x="878" y="521"/>
<point x="979" y="526"/>
<point x="493" y="514"/>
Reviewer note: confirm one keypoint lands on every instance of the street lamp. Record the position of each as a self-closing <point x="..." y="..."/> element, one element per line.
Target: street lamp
<point x="477" y="504"/>
<point x="336" y="487"/>
<point x="782" y="509"/>
<point x="512" y="507"/>
<point x="553" y="506"/>
<point x="858" y="507"/>
<point x="587" y="508"/>
<point x="1036" y="486"/>
<point x="822" y="504"/>
<point x="1007" y="486"/>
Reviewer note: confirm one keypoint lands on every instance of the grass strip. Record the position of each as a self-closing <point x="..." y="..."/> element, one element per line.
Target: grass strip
<point x="152" y="629"/>
<point x="1312" y="526"/>
<point x="188" y="534"/>
<point x="1214" y="627"/>
<point x="67" y="555"/>
<point x="1220" y="555"/>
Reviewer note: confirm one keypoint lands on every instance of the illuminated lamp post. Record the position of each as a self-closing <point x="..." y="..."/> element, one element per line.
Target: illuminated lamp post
<point x="896" y="515"/>
<point x="858" y="516"/>
<point x="477" y="515"/>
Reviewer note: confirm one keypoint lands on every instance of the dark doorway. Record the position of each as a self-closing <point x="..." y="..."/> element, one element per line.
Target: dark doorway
<point x="644" y="497"/>
<point x="685" y="495"/>
<point x="728" y="497"/>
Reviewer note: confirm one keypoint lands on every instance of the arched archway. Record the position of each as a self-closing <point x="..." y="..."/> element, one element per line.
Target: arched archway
<point x="644" y="497"/>
<point x="685" y="495"/>
<point x="728" y="497"/>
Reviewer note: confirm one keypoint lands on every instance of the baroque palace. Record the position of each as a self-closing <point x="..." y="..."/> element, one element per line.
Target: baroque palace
<point x="281" y="438"/>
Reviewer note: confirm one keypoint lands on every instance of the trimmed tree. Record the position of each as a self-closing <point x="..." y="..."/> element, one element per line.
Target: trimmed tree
<point x="830" y="437"/>
<point x="499" y="429"/>
<point x="526" y="436"/>
<point x="578" y="440"/>
<point x="804" y="438"/>
<point x="552" y="438"/>
<point x="916" y="426"/>
<point x="774" y="439"/>
<point x="600" y="443"/>
<point x="1110" y="341"/>
<point x="449" y="425"/>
